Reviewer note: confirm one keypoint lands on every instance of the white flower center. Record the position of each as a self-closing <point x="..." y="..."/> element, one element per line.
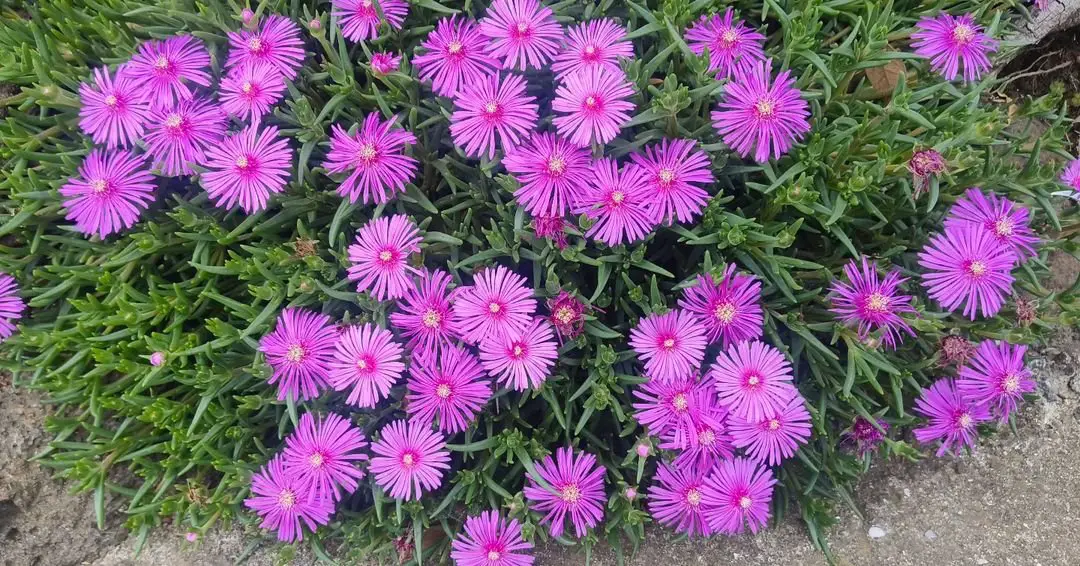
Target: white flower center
<point x="295" y="353"/>
<point x="706" y="437"/>
<point x="774" y="424"/>
<point x="590" y="50"/>
<point x="745" y="502"/>
<point x="964" y="420"/>
<point x="246" y="87"/>
<point x="315" y="460"/>
<point x="173" y="121"/>
<point x="242" y="161"/>
<point x="431" y="319"/>
<point x="571" y="493"/>
<point x="367" y="152"/>
<point x="454" y="48"/>
<point x="668" y="343"/>
<point x="679" y="402"/>
<point x="493" y="556"/>
<point x="491" y="107"/>
<point x="564" y="315"/>
<point x="764" y="108"/>
<point x="255" y="44"/>
<point x="361" y="364"/>
<point x="408" y="460"/>
<point x="1011" y="383"/>
<point x="977" y="268"/>
<point x="523" y="27"/>
<point x="693" y="497"/>
<point x="556" y="166"/>
<point x="963" y="34"/>
<point x="617" y="197"/>
<point x="162" y="62"/>
<point x="494" y="308"/>
<point x="753" y="380"/>
<point x="728" y="38"/>
<point x="286" y="499"/>
<point x="590" y="101"/>
<point x="386" y="255"/>
<point x="518" y="350"/>
<point x="877" y="302"/>
<point x="725" y="313"/>
<point x="1003" y="227"/>
<point x="98" y="186"/>
<point x="110" y="100"/>
<point x="443" y="391"/>
<point x="666" y="176"/>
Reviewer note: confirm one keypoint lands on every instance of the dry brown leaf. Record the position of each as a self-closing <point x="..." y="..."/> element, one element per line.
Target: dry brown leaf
<point x="885" y="78"/>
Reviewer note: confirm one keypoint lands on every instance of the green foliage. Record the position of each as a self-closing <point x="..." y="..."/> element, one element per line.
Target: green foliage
<point x="180" y="442"/>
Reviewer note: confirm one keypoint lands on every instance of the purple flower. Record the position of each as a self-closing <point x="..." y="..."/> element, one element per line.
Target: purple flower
<point x="323" y="455"/>
<point x="950" y="417"/>
<point x="737" y="493"/>
<point x="455" y="56"/>
<point x="249" y="91"/>
<point x="276" y="43"/>
<point x="577" y="490"/>
<point x="425" y="316"/>
<point x="451" y="386"/>
<point x="674" y="408"/>
<point x="729" y="311"/>
<point x="593" y="44"/>
<point x="872" y="303"/>
<point x="409" y="459"/>
<point x="677" y="172"/>
<point x="523" y="33"/>
<point x="968" y="264"/>
<point x="948" y="42"/>
<point x="1003" y="218"/>
<point x="179" y="136"/>
<point x="592" y="105"/>
<point x="380" y="257"/>
<point x="552" y="173"/>
<point x="157" y="359"/>
<point x="11" y="305"/>
<point x="284" y="502"/>
<point x="567" y="315"/>
<point x="490" y="540"/>
<point x="384" y="63"/>
<point x="521" y="361"/>
<point x="299" y="350"/>
<point x="774" y="438"/>
<point x="492" y="107"/>
<point x="996" y="378"/>
<point x="1071" y="177"/>
<point x="360" y="20"/>
<point x="675" y="499"/>
<point x="711" y="446"/>
<point x="114" y="111"/>
<point x="367" y="361"/>
<point x="375" y="155"/>
<point x="499" y="303"/>
<point x="759" y="115"/>
<point x="110" y="193"/>
<point x="672" y="345"/>
<point x="161" y="69"/>
<point x="864" y="435"/>
<point x="246" y="168"/>
<point x="753" y="380"/>
<point x="617" y="202"/>
<point x="730" y="42"/>
<point x="553" y="228"/>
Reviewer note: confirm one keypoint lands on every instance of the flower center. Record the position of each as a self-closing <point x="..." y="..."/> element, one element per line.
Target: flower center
<point x="877" y="302"/>
<point x="571" y="493"/>
<point x="98" y="186"/>
<point x="693" y="497"/>
<point x="366" y="4"/>
<point x="315" y="460"/>
<point x="523" y="28"/>
<point x="246" y="87"/>
<point x="493" y="556"/>
<point x="764" y="108"/>
<point x="590" y="50"/>
<point x="162" y="62"/>
<point x="491" y="107"/>
<point x="1011" y="383"/>
<point x="679" y="402"/>
<point x="666" y="176"/>
<point x="774" y="424"/>
<point x="110" y="100"/>
<point x="362" y="364"/>
<point x="556" y="166"/>
<point x="977" y="268"/>
<point x="1003" y="227"/>
<point x="295" y="353"/>
<point x="242" y="161"/>
<point x="564" y="315"/>
<point x="753" y="379"/>
<point x="173" y="121"/>
<point x="443" y="391"/>
<point x="590" y="102"/>
<point x="518" y="350"/>
<point x="255" y="45"/>
<point x="964" y="420"/>
<point x="286" y="499"/>
<point x="385" y="256"/>
<point x="728" y="38"/>
<point x="725" y="313"/>
<point x="706" y="437"/>
<point x="408" y="460"/>
<point x="617" y="197"/>
<point x="367" y="152"/>
<point x="431" y="319"/>
<point x="494" y="308"/>
<point x="454" y="48"/>
<point x="668" y="343"/>
<point x="963" y="34"/>
<point x="745" y="502"/>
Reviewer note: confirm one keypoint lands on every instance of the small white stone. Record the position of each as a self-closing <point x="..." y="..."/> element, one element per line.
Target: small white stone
<point x="982" y="561"/>
<point x="876" y="532"/>
<point x="930" y="535"/>
<point x="907" y="492"/>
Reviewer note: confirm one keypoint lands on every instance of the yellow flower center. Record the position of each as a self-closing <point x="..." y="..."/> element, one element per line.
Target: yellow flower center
<point x="162" y="62"/>
<point x="173" y="121"/>
<point x="491" y="107"/>
<point x="774" y="424"/>
<point x="877" y="302"/>
<point x="753" y="380"/>
<point x="764" y="108"/>
<point x="617" y="197"/>
<point x="564" y="315"/>
<point x="523" y="27"/>
<point x="745" y="502"/>
<point x="367" y="152"/>
<point x="693" y="497"/>
<point x="98" y="186"/>
<point x="454" y="48"/>
<point x="408" y="460"/>
<point x="431" y="319"/>
<point x="679" y="402"/>
<point x="1003" y="227"/>
<point x="965" y="420"/>
<point x="977" y="268"/>
<point x="494" y="308"/>
<point x="725" y="313"/>
<point x="963" y="34"/>
<point x="590" y="50"/>
<point x="246" y="87"/>
<point x="110" y="100"/>
<point x="728" y="38"/>
<point x="666" y="176"/>
<point x="493" y="556"/>
<point x="706" y="437"/>
<point x="315" y="460"/>
<point x="255" y="44"/>
<point x="1011" y="383"/>
<point x="443" y="391"/>
<point x="556" y="166"/>
<point x="286" y="499"/>
<point x="242" y="161"/>
<point x="669" y="343"/>
<point x="571" y="493"/>
<point x="385" y="256"/>
<point x="590" y="101"/>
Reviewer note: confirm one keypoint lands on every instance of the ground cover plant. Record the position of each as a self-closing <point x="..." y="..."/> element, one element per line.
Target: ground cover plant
<point x="416" y="280"/>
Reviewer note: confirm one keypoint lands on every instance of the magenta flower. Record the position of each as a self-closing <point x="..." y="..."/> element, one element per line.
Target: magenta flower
<point x="323" y="455"/>
<point x="567" y="315"/>
<point x="110" y="193"/>
<point x="451" y="386"/>
<point x="924" y="166"/>
<point x="375" y="155"/>
<point x="553" y="228"/>
<point x="249" y="91"/>
<point x="753" y="380"/>
<point x="360" y="21"/>
<point x="872" y="303"/>
<point x="380" y="257"/>
<point x="492" y="107"/>
<point x="712" y="445"/>
<point x="426" y="318"/>
<point x="593" y="44"/>
<point x="776" y="437"/>
<point x="521" y="361"/>
<point x="523" y="33"/>
<point x="677" y="173"/>
<point x="276" y="43"/>
<point x="455" y="56"/>
<point x="674" y="408"/>
<point x="409" y="459"/>
<point x="299" y="350"/>
<point x="675" y="499"/>
<point x="996" y="378"/>
<point x="1071" y="177"/>
<point x="114" y="111"/>
<point x="552" y="172"/>
<point x="578" y="484"/>
<point x="761" y="116"/>
<point x="951" y="418"/>
<point x="178" y="137"/>
<point x="246" y="168"/>
<point x="1003" y="218"/>
<point x="731" y="310"/>
<point x="738" y="493"/>
<point x="968" y="264"/>
<point x="284" y="502"/>
<point x="157" y="359"/>
<point x="383" y="63"/>
<point x="367" y="360"/>
<point x="11" y="305"/>
<point x="731" y="43"/>
<point x="672" y="345"/>
<point x="593" y="105"/>
<point x="864" y="436"/>
<point x="162" y="69"/>
<point x="499" y="303"/>
<point x="489" y="540"/>
<point x="948" y="42"/>
<point x="617" y="202"/>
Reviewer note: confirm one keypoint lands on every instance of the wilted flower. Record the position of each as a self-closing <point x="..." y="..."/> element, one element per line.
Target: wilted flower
<point x="955" y="350"/>
<point x="384" y="63"/>
<point x="924" y="166"/>
<point x="551" y="227"/>
<point x="567" y="315"/>
<point x="864" y="436"/>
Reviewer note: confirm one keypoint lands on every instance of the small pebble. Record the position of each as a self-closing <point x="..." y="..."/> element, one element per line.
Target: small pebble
<point x="930" y="535"/>
<point x="876" y="532"/>
<point x="982" y="561"/>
